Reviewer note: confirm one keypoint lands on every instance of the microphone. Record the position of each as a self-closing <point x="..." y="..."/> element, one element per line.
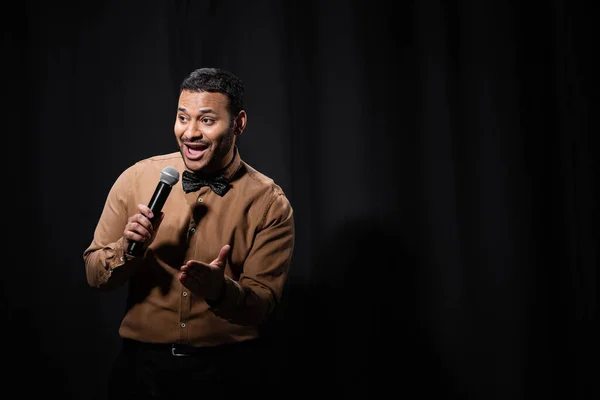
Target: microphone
<point x="168" y="177"/>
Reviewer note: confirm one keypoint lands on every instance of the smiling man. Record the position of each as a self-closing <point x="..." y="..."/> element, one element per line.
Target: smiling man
<point x="212" y="264"/>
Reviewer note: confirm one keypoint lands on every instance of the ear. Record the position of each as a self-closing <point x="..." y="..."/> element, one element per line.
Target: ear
<point x="239" y="123"/>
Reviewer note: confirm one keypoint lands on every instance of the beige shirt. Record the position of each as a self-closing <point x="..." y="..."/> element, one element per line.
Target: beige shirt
<point x="254" y="217"/>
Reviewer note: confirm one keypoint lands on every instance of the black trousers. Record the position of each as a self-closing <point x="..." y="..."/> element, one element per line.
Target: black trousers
<point x="150" y="371"/>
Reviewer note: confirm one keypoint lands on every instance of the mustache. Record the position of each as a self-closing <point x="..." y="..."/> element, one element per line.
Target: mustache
<point x="190" y="141"/>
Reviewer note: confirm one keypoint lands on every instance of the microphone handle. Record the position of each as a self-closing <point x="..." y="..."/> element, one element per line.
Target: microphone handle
<point x="156" y="204"/>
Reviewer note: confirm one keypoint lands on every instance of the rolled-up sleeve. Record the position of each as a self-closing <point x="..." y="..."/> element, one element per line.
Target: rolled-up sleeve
<point x="105" y="263"/>
<point x="250" y="300"/>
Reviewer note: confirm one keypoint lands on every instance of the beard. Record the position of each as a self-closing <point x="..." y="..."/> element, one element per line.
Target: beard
<point x="224" y="146"/>
<point x="217" y="153"/>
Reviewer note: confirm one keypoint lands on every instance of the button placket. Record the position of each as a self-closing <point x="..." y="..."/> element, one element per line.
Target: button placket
<point x="184" y="313"/>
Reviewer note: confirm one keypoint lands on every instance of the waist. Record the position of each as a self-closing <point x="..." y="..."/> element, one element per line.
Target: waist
<point x="181" y="350"/>
<point x="203" y="328"/>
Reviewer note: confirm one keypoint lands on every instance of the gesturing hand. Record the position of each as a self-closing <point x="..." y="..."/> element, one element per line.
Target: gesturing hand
<point x="205" y="280"/>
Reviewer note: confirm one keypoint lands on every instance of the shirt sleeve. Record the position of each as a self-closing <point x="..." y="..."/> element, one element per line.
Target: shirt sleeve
<point x="250" y="300"/>
<point x="106" y="264"/>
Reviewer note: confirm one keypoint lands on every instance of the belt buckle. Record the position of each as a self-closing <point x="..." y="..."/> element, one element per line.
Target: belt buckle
<point x="175" y="353"/>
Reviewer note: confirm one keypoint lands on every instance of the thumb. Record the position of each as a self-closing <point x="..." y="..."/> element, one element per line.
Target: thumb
<point x="220" y="261"/>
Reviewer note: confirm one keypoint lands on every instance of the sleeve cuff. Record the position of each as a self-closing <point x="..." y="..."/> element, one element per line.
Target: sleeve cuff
<point x="120" y="256"/>
<point x="229" y="300"/>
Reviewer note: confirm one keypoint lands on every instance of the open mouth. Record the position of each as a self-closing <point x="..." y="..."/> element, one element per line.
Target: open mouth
<point x="195" y="151"/>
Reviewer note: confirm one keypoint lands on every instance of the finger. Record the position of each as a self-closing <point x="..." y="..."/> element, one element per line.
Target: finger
<point x="189" y="282"/>
<point x="193" y="272"/>
<point x="134" y="236"/>
<point x="145" y="211"/>
<point x="197" y="269"/>
<point x="142" y="221"/>
<point x="134" y="230"/>
<point x="220" y="261"/>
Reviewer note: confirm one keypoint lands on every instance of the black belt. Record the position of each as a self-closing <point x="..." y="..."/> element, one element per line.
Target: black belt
<point x="182" y="350"/>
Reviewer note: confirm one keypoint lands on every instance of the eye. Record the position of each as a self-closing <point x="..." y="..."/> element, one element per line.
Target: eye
<point x="208" y="121"/>
<point x="182" y="118"/>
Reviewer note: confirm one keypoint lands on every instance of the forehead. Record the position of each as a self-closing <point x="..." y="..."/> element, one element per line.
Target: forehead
<point x="196" y="101"/>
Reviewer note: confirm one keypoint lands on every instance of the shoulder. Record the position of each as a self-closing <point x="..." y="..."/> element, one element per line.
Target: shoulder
<point x="155" y="164"/>
<point x="256" y="181"/>
<point x="158" y="161"/>
<point x="147" y="171"/>
<point x="264" y="191"/>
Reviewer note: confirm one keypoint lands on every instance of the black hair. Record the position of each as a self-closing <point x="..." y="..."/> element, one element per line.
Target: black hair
<point x="217" y="80"/>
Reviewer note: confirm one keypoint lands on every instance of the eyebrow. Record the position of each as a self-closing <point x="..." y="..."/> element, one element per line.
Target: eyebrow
<point x="202" y="110"/>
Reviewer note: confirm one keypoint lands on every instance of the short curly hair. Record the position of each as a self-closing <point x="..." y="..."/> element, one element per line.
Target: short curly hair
<point x="217" y="80"/>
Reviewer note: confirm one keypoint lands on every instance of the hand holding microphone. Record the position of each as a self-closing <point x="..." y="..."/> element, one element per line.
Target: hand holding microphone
<point x="141" y="228"/>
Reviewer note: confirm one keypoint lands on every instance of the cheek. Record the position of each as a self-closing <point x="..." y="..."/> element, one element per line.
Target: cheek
<point x="221" y="137"/>
<point x="210" y="136"/>
<point x="179" y="130"/>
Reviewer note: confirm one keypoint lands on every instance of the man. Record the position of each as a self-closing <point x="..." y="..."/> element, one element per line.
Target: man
<point x="209" y="267"/>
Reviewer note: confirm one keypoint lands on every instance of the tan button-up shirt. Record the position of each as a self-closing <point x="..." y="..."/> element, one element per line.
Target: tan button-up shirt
<point x="254" y="217"/>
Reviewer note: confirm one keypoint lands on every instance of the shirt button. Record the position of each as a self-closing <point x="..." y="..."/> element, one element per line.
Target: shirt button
<point x="200" y="199"/>
<point x="182" y="324"/>
<point x="184" y="294"/>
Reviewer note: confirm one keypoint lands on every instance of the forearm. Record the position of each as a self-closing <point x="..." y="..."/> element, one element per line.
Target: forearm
<point x="108" y="267"/>
<point x="246" y="303"/>
<point x="251" y="300"/>
<point x="105" y="264"/>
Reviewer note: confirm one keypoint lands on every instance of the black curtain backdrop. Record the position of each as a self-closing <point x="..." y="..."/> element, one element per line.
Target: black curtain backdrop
<point x="439" y="157"/>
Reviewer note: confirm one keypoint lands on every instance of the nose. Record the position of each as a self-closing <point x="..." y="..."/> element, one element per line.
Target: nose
<point x="192" y="132"/>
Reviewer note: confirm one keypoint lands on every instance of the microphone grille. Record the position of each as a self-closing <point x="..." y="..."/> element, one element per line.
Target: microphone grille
<point x="169" y="175"/>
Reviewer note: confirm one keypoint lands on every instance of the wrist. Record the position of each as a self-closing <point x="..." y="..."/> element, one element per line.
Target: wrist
<point x="218" y="298"/>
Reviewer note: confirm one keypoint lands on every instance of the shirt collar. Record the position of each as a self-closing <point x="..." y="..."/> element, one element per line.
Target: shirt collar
<point x="233" y="165"/>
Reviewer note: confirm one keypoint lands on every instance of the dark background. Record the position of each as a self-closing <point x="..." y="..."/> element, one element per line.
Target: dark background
<point x="439" y="157"/>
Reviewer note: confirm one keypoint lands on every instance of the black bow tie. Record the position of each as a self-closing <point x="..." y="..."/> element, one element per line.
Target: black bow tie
<point x="192" y="182"/>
